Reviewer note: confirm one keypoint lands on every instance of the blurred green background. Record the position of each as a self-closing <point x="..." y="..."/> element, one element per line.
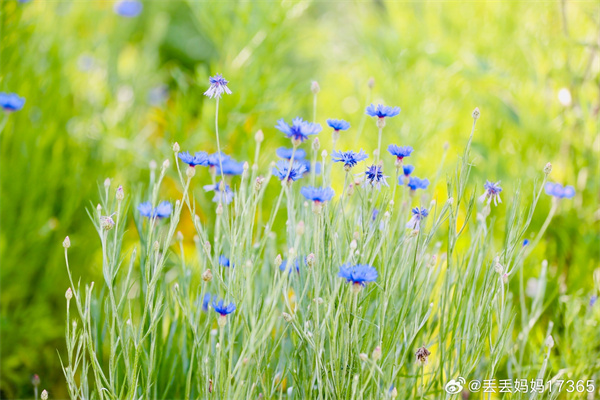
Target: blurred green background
<point x="106" y="94"/>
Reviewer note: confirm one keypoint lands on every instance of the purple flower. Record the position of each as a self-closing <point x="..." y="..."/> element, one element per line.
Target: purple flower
<point x="415" y="183"/>
<point x="374" y="176"/>
<point x="283" y="167"/>
<point x="338" y="124"/>
<point x="381" y="111"/>
<point x="218" y="86"/>
<point x="318" y="195"/>
<point x="223" y="193"/>
<point x="359" y="275"/>
<point x="299" y="130"/>
<point x="400" y="151"/>
<point x="492" y="192"/>
<point x="286" y="153"/>
<point x="128" y="8"/>
<point x="349" y="158"/>
<point x="200" y="158"/>
<point x="557" y="190"/>
<point x="417" y="216"/>
<point x="11" y="102"/>
<point x="222" y="309"/>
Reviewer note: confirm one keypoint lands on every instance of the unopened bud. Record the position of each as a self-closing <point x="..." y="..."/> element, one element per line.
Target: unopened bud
<point x="310" y="260"/>
<point x="550" y="342"/>
<point x="120" y="195"/>
<point x="176" y="287"/>
<point x="316" y="145"/>
<point x="67" y="242"/>
<point x="450" y="201"/>
<point x="207" y="275"/>
<point x="259" y="136"/>
<point x="476" y="113"/>
<point x="69" y="294"/>
<point x="190" y="172"/>
<point x="548" y="169"/>
<point x="394" y="393"/>
<point x="287" y="317"/>
<point x="166" y="164"/>
<point x="300" y="228"/>
<point x="376" y="355"/>
<point x="324" y="154"/>
<point x="371" y="83"/>
<point x="353" y="245"/>
<point x="207" y="246"/>
<point x="179" y="236"/>
<point x="314" y="87"/>
<point x="258" y="183"/>
<point x="219" y="209"/>
<point x="44" y="395"/>
<point x="176" y="147"/>
<point x="350" y="190"/>
<point x="107" y="223"/>
<point x="107" y="183"/>
<point x="363" y="356"/>
<point x="422" y="355"/>
<point x="278" y="260"/>
<point x="246" y="166"/>
<point x="156" y="245"/>
<point x="152" y="165"/>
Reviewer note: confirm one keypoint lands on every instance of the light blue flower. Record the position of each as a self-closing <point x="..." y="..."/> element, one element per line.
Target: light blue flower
<point x="286" y="154"/>
<point x="418" y="215"/>
<point x="231" y="167"/>
<point x="224" y="195"/>
<point x="163" y="210"/>
<point x="415" y="183"/>
<point x="400" y="151"/>
<point x="128" y="8"/>
<point x="338" y="124"/>
<point x="349" y="158"/>
<point x="223" y="309"/>
<point x="374" y="176"/>
<point x="299" y="130"/>
<point x="11" y="102"/>
<point x="407" y="170"/>
<point x="381" y="111"/>
<point x="359" y="275"/>
<point x="282" y="168"/>
<point x="224" y="261"/>
<point x="492" y="192"/>
<point x="213" y="159"/>
<point x="218" y="86"/>
<point x="320" y="194"/>
<point x="557" y="190"/>
<point x="200" y="158"/>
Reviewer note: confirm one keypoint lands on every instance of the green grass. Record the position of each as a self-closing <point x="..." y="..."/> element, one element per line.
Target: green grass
<point x="436" y="60"/>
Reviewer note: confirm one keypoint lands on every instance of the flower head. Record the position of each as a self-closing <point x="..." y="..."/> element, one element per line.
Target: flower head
<point x="320" y="194"/>
<point x="400" y="151"/>
<point x="223" y="193"/>
<point x="231" y="167"/>
<point x="359" y="275"/>
<point x="286" y="154"/>
<point x="492" y="192"/>
<point x="224" y="261"/>
<point x="11" y="102"/>
<point x="407" y="169"/>
<point x="374" y="176"/>
<point x="283" y="167"/>
<point x="415" y="183"/>
<point x="338" y="124"/>
<point x="381" y="111"/>
<point x="223" y="309"/>
<point x="128" y="8"/>
<point x="299" y="130"/>
<point x="213" y="159"/>
<point x="418" y="214"/>
<point x="206" y="302"/>
<point x="218" y="86"/>
<point x="422" y="355"/>
<point x="200" y="158"/>
<point x="163" y="210"/>
<point x="557" y="190"/>
<point x="289" y="268"/>
<point x="349" y="158"/>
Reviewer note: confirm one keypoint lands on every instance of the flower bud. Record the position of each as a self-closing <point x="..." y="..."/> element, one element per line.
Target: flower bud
<point x="259" y="136"/>
<point x="190" y="172"/>
<point x="300" y="228"/>
<point x="287" y="317"/>
<point x="219" y="209"/>
<point x="310" y="260"/>
<point x="166" y="164"/>
<point x="376" y="355"/>
<point x="314" y="87"/>
<point x="207" y="246"/>
<point x="107" y="183"/>
<point x="107" y="223"/>
<point x="350" y="190"/>
<point x="363" y="356"/>
<point x="120" y="195"/>
<point x="156" y="246"/>
<point x="207" y="275"/>
<point x="69" y="294"/>
<point x="476" y="113"/>
<point x="353" y="245"/>
<point x="152" y="165"/>
<point x="548" y="169"/>
<point x="324" y="154"/>
<point x="258" y="183"/>
<point x="549" y="342"/>
<point x="422" y="355"/>
<point x="394" y="393"/>
<point x="67" y="242"/>
<point x="316" y="145"/>
<point x="278" y="260"/>
<point x="44" y="395"/>
<point x="179" y="236"/>
<point x="371" y="83"/>
<point x="176" y="147"/>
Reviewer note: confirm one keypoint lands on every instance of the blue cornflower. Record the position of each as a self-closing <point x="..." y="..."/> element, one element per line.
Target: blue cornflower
<point x="299" y="130"/>
<point x="407" y="170"/>
<point x="284" y="266"/>
<point x="359" y="275"/>
<point x="338" y="124"/>
<point x="213" y="159"/>
<point x="557" y="190"/>
<point x="286" y="154"/>
<point x="381" y="111"/>
<point x="593" y="300"/>
<point x="282" y="168"/>
<point x="224" y="261"/>
<point x="374" y="214"/>
<point x="400" y="151"/>
<point x="163" y="210"/>
<point x="200" y="158"/>
<point x="374" y="176"/>
<point x="223" y="193"/>
<point x="223" y="310"/>
<point x="415" y="183"/>
<point x="318" y="195"/>
<point x="128" y="8"/>
<point x="206" y="302"/>
<point x="218" y="86"/>
<point x="525" y="242"/>
<point x="231" y="167"/>
<point x="11" y="102"/>
<point x="307" y="165"/>
<point x="418" y="216"/>
<point x="349" y="158"/>
<point x="492" y="192"/>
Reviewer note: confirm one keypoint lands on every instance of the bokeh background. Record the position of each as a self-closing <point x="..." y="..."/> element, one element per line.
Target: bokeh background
<point x="106" y="94"/>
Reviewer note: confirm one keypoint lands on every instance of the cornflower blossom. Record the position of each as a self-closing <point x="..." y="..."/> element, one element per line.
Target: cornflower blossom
<point x="558" y="191"/>
<point x="223" y="193"/>
<point x="400" y="152"/>
<point x="418" y="215"/>
<point x="199" y="158"/>
<point x="415" y="183"/>
<point x="128" y="8"/>
<point x="492" y="192"/>
<point x="318" y="196"/>
<point x="338" y="124"/>
<point x="380" y="111"/>
<point x="299" y="130"/>
<point x="213" y="159"/>
<point x="286" y="153"/>
<point x="163" y="210"/>
<point x="349" y="158"/>
<point x="218" y="86"/>
<point x="289" y="268"/>
<point x="407" y="170"/>
<point x="206" y="302"/>
<point x="374" y="176"/>
<point x="11" y="102"/>
<point x="223" y="311"/>
<point x="224" y="261"/>
<point x="283" y="167"/>
<point x="231" y="167"/>
<point x="359" y="275"/>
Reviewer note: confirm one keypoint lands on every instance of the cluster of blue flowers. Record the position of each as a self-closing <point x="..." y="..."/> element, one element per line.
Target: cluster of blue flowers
<point x="558" y="191"/>
<point x="163" y="210"/>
